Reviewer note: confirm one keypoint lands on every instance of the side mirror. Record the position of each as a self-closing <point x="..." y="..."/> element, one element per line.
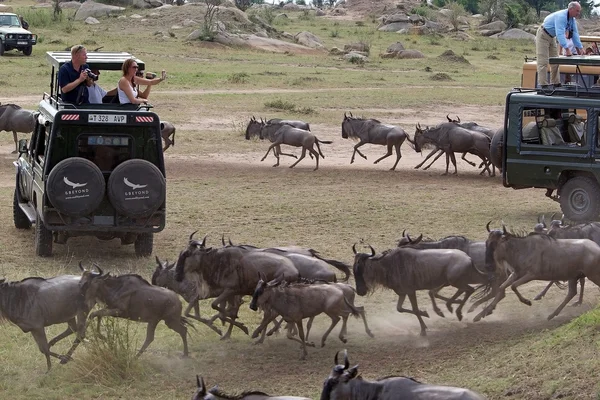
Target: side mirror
<point x="23" y="146"/>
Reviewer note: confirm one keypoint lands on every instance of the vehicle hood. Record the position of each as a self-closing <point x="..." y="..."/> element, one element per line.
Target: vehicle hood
<point x="13" y="29"/>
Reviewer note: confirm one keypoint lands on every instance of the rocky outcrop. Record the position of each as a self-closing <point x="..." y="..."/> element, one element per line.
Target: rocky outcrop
<point x="309" y="40"/>
<point x="93" y="9"/>
<point x="515" y="33"/>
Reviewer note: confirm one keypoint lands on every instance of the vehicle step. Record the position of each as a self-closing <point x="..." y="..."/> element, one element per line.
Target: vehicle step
<point x="29" y="211"/>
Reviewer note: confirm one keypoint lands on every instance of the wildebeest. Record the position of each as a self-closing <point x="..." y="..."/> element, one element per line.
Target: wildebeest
<point x="540" y="257"/>
<point x="295" y="302"/>
<point x="374" y="132"/>
<point x="215" y="394"/>
<point x="14" y="118"/>
<point x="451" y="138"/>
<point x="280" y="133"/>
<point x="232" y="269"/>
<point x="132" y="297"/>
<point x="166" y="131"/>
<point x="164" y="276"/>
<point x="34" y="303"/>
<point x="406" y="270"/>
<point x="473" y="126"/>
<point x="253" y="130"/>
<point x="344" y="383"/>
<point x="474" y="249"/>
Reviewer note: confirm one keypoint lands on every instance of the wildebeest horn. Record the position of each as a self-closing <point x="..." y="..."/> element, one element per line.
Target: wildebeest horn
<point x="192" y="235"/>
<point x="552" y="217"/>
<point x="351" y="116"/>
<point x="200" y="383"/>
<point x="458" y="119"/>
<point x="81" y="267"/>
<point x="203" y="244"/>
<point x="543" y="220"/>
<point x="487" y="226"/>
<point x="562" y="219"/>
<point x="354" y="250"/>
<point x="504" y="229"/>
<point x="404" y="233"/>
<point x="346" y="362"/>
<point x="99" y="269"/>
<point x="223" y="239"/>
<point x="230" y="242"/>
<point x="372" y="250"/>
<point x="448" y="117"/>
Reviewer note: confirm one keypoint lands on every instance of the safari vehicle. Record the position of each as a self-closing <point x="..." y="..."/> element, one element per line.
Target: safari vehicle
<point x="550" y="140"/>
<point x="568" y="73"/>
<point x="14" y="36"/>
<point x="91" y="169"/>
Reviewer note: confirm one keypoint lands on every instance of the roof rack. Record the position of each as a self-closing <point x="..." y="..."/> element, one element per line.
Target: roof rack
<point x="110" y="61"/>
<point x="575" y="90"/>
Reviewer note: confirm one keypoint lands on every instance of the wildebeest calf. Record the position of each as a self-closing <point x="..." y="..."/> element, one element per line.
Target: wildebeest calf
<point x="215" y="394"/>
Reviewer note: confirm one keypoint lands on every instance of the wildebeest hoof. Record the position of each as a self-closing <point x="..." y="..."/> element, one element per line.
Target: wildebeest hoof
<point x="538" y="297"/>
<point x="528" y="302"/>
<point x="459" y="316"/>
<point x="257" y="342"/>
<point x="65" y="359"/>
<point x="13" y="152"/>
<point x="440" y="313"/>
<point x="423" y="333"/>
<point x="370" y="334"/>
<point x="424" y="314"/>
<point x="449" y="307"/>
<point x="576" y="304"/>
<point x="551" y="316"/>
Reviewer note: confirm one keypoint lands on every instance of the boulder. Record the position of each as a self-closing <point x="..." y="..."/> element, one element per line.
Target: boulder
<point x="390" y="19"/>
<point x="493" y="26"/>
<point x="320" y="13"/>
<point x="146" y="3"/>
<point x="395" y="26"/>
<point x="404" y="54"/>
<point x="336" y="52"/>
<point x="163" y="7"/>
<point x="516" y="33"/>
<point x="462" y="36"/>
<point x="488" y="32"/>
<point x="445" y="12"/>
<point x="189" y="22"/>
<point x="309" y="40"/>
<point x="136" y="16"/>
<point x="395" y="48"/>
<point x="194" y="35"/>
<point x="435" y="26"/>
<point x="91" y="21"/>
<point x="419" y="30"/>
<point x="291" y="7"/>
<point x="415" y="18"/>
<point x="362" y="47"/>
<point x="354" y="55"/>
<point x="4" y="8"/>
<point x="93" y="9"/>
<point x="74" y="5"/>
<point x="338" y="11"/>
<point x="544" y="14"/>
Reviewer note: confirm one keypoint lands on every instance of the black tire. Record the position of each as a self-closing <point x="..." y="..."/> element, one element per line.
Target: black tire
<point x="143" y="244"/>
<point x="1" y="48"/>
<point x="580" y="199"/>
<point x="43" y="239"/>
<point x="20" y="219"/>
<point x="76" y="187"/>
<point x="496" y="148"/>
<point x="136" y="188"/>
<point x="27" y="50"/>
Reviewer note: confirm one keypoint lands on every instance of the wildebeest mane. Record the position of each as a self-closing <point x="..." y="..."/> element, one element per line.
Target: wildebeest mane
<point x="16" y="299"/>
<point x="218" y="393"/>
<point x="365" y="126"/>
<point x="399" y="376"/>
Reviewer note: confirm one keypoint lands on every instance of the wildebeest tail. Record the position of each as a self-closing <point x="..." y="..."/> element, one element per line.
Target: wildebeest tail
<point x="481" y="291"/>
<point x="173" y="139"/>
<point x="410" y="141"/>
<point x="323" y="141"/>
<point x="345" y="268"/>
<point x="188" y="323"/>
<point x="353" y="310"/>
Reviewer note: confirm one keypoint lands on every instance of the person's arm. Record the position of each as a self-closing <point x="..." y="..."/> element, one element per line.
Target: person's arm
<point x="112" y="92"/>
<point x="576" y="39"/>
<point x="147" y="82"/>
<point x="71" y="85"/>
<point x="128" y="90"/>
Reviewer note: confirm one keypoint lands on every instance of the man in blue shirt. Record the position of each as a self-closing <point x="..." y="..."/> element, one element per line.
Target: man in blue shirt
<point x="72" y="77"/>
<point x="554" y="27"/>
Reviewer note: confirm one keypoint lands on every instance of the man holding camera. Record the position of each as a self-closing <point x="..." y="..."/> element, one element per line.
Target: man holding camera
<point x="72" y="77"/>
<point x="95" y="92"/>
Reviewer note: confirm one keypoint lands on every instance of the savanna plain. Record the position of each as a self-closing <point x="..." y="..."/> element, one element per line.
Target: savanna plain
<point x="218" y="185"/>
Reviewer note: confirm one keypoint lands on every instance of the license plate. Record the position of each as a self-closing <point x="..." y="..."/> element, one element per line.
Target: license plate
<point x="107" y="118"/>
<point x="22" y="43"/>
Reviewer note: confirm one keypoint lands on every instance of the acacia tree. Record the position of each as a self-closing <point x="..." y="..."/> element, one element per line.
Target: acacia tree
<point x="209" y="28"/>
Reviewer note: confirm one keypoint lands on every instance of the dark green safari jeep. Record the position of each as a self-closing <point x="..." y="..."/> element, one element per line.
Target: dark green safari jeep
<point x="91" y="169"/>
<point x="550" y="140"/>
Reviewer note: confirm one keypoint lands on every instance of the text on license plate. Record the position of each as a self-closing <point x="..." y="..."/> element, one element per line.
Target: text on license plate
<point x="107" y="118"/>
<point x="22" y="43"/>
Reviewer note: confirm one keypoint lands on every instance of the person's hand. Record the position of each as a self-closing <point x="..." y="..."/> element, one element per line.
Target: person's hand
<point x="568" y="53"/>
<point x="163" y="75"/>
<point x="83" y="76"/>
<point x="581" y="52"/>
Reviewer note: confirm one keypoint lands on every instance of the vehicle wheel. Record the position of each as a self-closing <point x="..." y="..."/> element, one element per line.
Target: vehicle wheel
<point x="20" y="219"/>
<point x="496" y="148"/>
<point x="43" y="239"/>
<point x="580" y="199"/>
<point x="27" y="50"/>
<point x="143" y="244"/>
<point x="1" y="48"/>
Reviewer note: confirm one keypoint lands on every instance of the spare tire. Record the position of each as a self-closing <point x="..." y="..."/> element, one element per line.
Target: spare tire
<point x="136" y="188"/>
<point x="496" y="148"/>
<point x="75" y="187"/>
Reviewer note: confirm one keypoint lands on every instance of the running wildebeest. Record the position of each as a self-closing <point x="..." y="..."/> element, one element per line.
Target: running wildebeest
<point x="298" y="301"/>
<point x="232" y="269"/>
<point x="473" y="126"/>
<point x="540" y="257"/>
<point x="374" y="132"/>
<point x="254" y="127"/>
<point x="451" y="138"/>
<point x="406" y="270"/>
<point x="344" y="383"/>
<point x="474" y="249"/>
<point x="280" y="133"/>
<point x="215" y="394"/>
<point x="34" y="303"/>
<point x="132" y="297"/>
<point x="164" y="276"/>
<point x="166" y="131"/>
<point x="14" y="118"/>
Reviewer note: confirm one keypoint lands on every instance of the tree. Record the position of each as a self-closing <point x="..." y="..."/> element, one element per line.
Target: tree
<point x="537" y="5"/>
<point x="456" y="11"/>
<point x="243" y="4"/>
<point x="471" y="6"/>
<point x="209" y="29"/>
<point x="492" y="9"/>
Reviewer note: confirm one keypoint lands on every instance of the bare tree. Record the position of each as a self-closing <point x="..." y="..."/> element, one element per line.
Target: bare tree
<point x="456" y="11"/>
<point x="209" y="28"/>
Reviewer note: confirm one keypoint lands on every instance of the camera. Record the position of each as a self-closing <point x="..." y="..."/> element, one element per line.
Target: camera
<point x="92" y="75"/>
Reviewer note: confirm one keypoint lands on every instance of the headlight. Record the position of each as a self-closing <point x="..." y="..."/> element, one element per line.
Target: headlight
<point x="9" y="36"/>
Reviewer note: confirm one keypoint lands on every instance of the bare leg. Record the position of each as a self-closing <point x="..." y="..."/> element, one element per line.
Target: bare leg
<point x="570" y="294"/>
<point x="364" y="318"/>
<point x="72" y="328"/>
<point x="40" y="338"/>
<point x="16" y="139"/>
<point x="301" y="157"/>
<point x="467" y="161"/>
<point x="436" y="309"/>
<point x="468" y="292"/>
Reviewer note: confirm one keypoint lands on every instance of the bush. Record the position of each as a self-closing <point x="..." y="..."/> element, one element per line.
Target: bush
<point x="238" y="77"/>
<point x="280" y="105"/>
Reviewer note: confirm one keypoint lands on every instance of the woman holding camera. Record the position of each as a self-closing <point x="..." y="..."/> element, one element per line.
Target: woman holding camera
<point x="127" y="88"/>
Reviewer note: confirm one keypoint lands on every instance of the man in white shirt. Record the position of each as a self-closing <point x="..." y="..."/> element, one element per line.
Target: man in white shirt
<point x="95" y="92"/>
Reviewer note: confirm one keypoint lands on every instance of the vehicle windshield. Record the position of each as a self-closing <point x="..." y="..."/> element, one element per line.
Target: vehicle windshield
<point x="10" y="20"/>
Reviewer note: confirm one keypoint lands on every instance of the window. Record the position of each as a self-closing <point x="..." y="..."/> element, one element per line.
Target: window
<point x="105" y="151"/>
<point x="553" y="127"/>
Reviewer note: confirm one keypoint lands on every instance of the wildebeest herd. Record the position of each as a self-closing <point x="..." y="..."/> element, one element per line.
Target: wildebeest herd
<point x="446" y="138"/>
<point x="291" y="284"/>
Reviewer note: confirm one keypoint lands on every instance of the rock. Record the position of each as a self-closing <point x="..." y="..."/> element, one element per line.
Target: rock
<point x="336" y="52"/>
<point x="91" y="21"/>
<point x="395" y="26"/>
<point x="516" y="33"/>
<point x="449" y="55"/>
<point x="74" y="5"/>
<point x="287" y="35"/>
<point x="435" y="27"/>
<point x="143" y="4"/>
<point x="544" y="14"/>
<point x="189" y="22"/>
<point x="136" y="16"/>
<point x="195" y="35"/>
<point x="93" y="9"/>
<point x="42" y="5"/>
<point x="320" y="13"/>
<point x="478" y="16"/>
<point x="498" y="26"/>
<point x="5" y="8"/>
<point x="445" y="12"/>
<point x="338" y="11"/>
<point x="361" y="47"/>
<point x="163" y="7"/>
<point x="395" y="48"/>
<point x="463" y="20"/>
<point x="419" y="30"/>
<point x="291" y="7"/>
<point x="488" y="32"/>
<point x="154" y="15"/>
<point x="309" y="40"/>
<point x="415" y="18"/>
<point x="390" y="19"/>
<point x="404" y="54"/>
<point x="175" y="27"/>
<point x="353" y="56"/>
<point x="462" y="36"/>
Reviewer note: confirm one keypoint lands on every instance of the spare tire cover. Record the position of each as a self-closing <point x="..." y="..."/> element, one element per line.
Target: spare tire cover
<point x="496" y="148"/>
<point x="75" y="187"/>
<point x="136" y="188"/>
